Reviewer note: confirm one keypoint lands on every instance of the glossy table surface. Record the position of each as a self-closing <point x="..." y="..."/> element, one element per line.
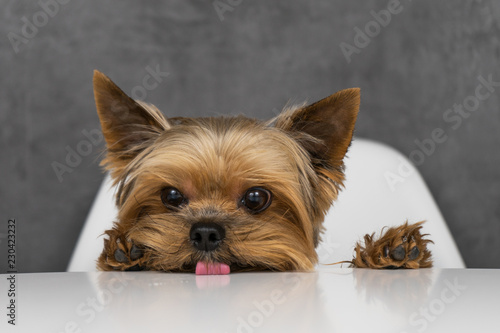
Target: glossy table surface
<point x="328" y="300"/>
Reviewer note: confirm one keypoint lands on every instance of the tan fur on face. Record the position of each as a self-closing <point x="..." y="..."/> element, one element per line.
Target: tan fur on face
<point x="213" y="162"/>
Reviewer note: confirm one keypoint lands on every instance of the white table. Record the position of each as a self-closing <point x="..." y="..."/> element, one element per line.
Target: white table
<point x="329" y="300"/>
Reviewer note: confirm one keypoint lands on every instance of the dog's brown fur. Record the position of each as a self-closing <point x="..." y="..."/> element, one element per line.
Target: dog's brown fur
<point x="297" y="156"/>
<point x="398" y="247"/>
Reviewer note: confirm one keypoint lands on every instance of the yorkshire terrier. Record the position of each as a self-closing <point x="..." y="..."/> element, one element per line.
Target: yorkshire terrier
<point x="227" y="194"/>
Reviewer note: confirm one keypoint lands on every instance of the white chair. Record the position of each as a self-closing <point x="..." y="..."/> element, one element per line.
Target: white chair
<point x="382" y="188"/>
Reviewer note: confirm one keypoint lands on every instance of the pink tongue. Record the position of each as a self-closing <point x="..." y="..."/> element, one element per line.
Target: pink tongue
<point x="217" y="268"/>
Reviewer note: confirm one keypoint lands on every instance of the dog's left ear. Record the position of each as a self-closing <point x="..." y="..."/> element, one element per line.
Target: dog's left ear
<point x="129" y="126"/>
<point x="324" y="128"/>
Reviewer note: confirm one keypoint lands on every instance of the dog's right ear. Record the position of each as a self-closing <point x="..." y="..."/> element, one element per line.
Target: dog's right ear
<point x="128" y="125"/>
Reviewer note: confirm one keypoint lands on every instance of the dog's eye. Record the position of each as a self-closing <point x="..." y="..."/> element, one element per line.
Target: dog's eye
<point x="172" y="197"/>
<point x="256" y="199"/>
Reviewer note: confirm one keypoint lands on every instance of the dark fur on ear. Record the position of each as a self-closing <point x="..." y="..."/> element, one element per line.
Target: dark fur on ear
<point x="324" y="129"/>
<point x="328" y="125"/>
<point x="128" y="126"/>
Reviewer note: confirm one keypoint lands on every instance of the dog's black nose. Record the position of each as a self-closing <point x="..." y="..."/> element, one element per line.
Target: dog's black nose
<point x="206" y="236"/>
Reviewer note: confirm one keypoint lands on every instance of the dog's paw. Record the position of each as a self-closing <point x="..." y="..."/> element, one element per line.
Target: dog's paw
<point x="121" y="254"/>
<point x="397" y="247"/>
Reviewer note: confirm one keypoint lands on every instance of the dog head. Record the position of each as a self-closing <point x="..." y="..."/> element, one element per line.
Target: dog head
<point x="231" y="191"/>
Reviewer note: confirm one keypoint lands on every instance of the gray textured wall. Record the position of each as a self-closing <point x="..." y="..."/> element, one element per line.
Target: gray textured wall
<point x="251" y="59"/>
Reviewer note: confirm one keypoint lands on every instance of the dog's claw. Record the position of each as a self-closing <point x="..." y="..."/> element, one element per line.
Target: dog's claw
<point x="386" y="251"/>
